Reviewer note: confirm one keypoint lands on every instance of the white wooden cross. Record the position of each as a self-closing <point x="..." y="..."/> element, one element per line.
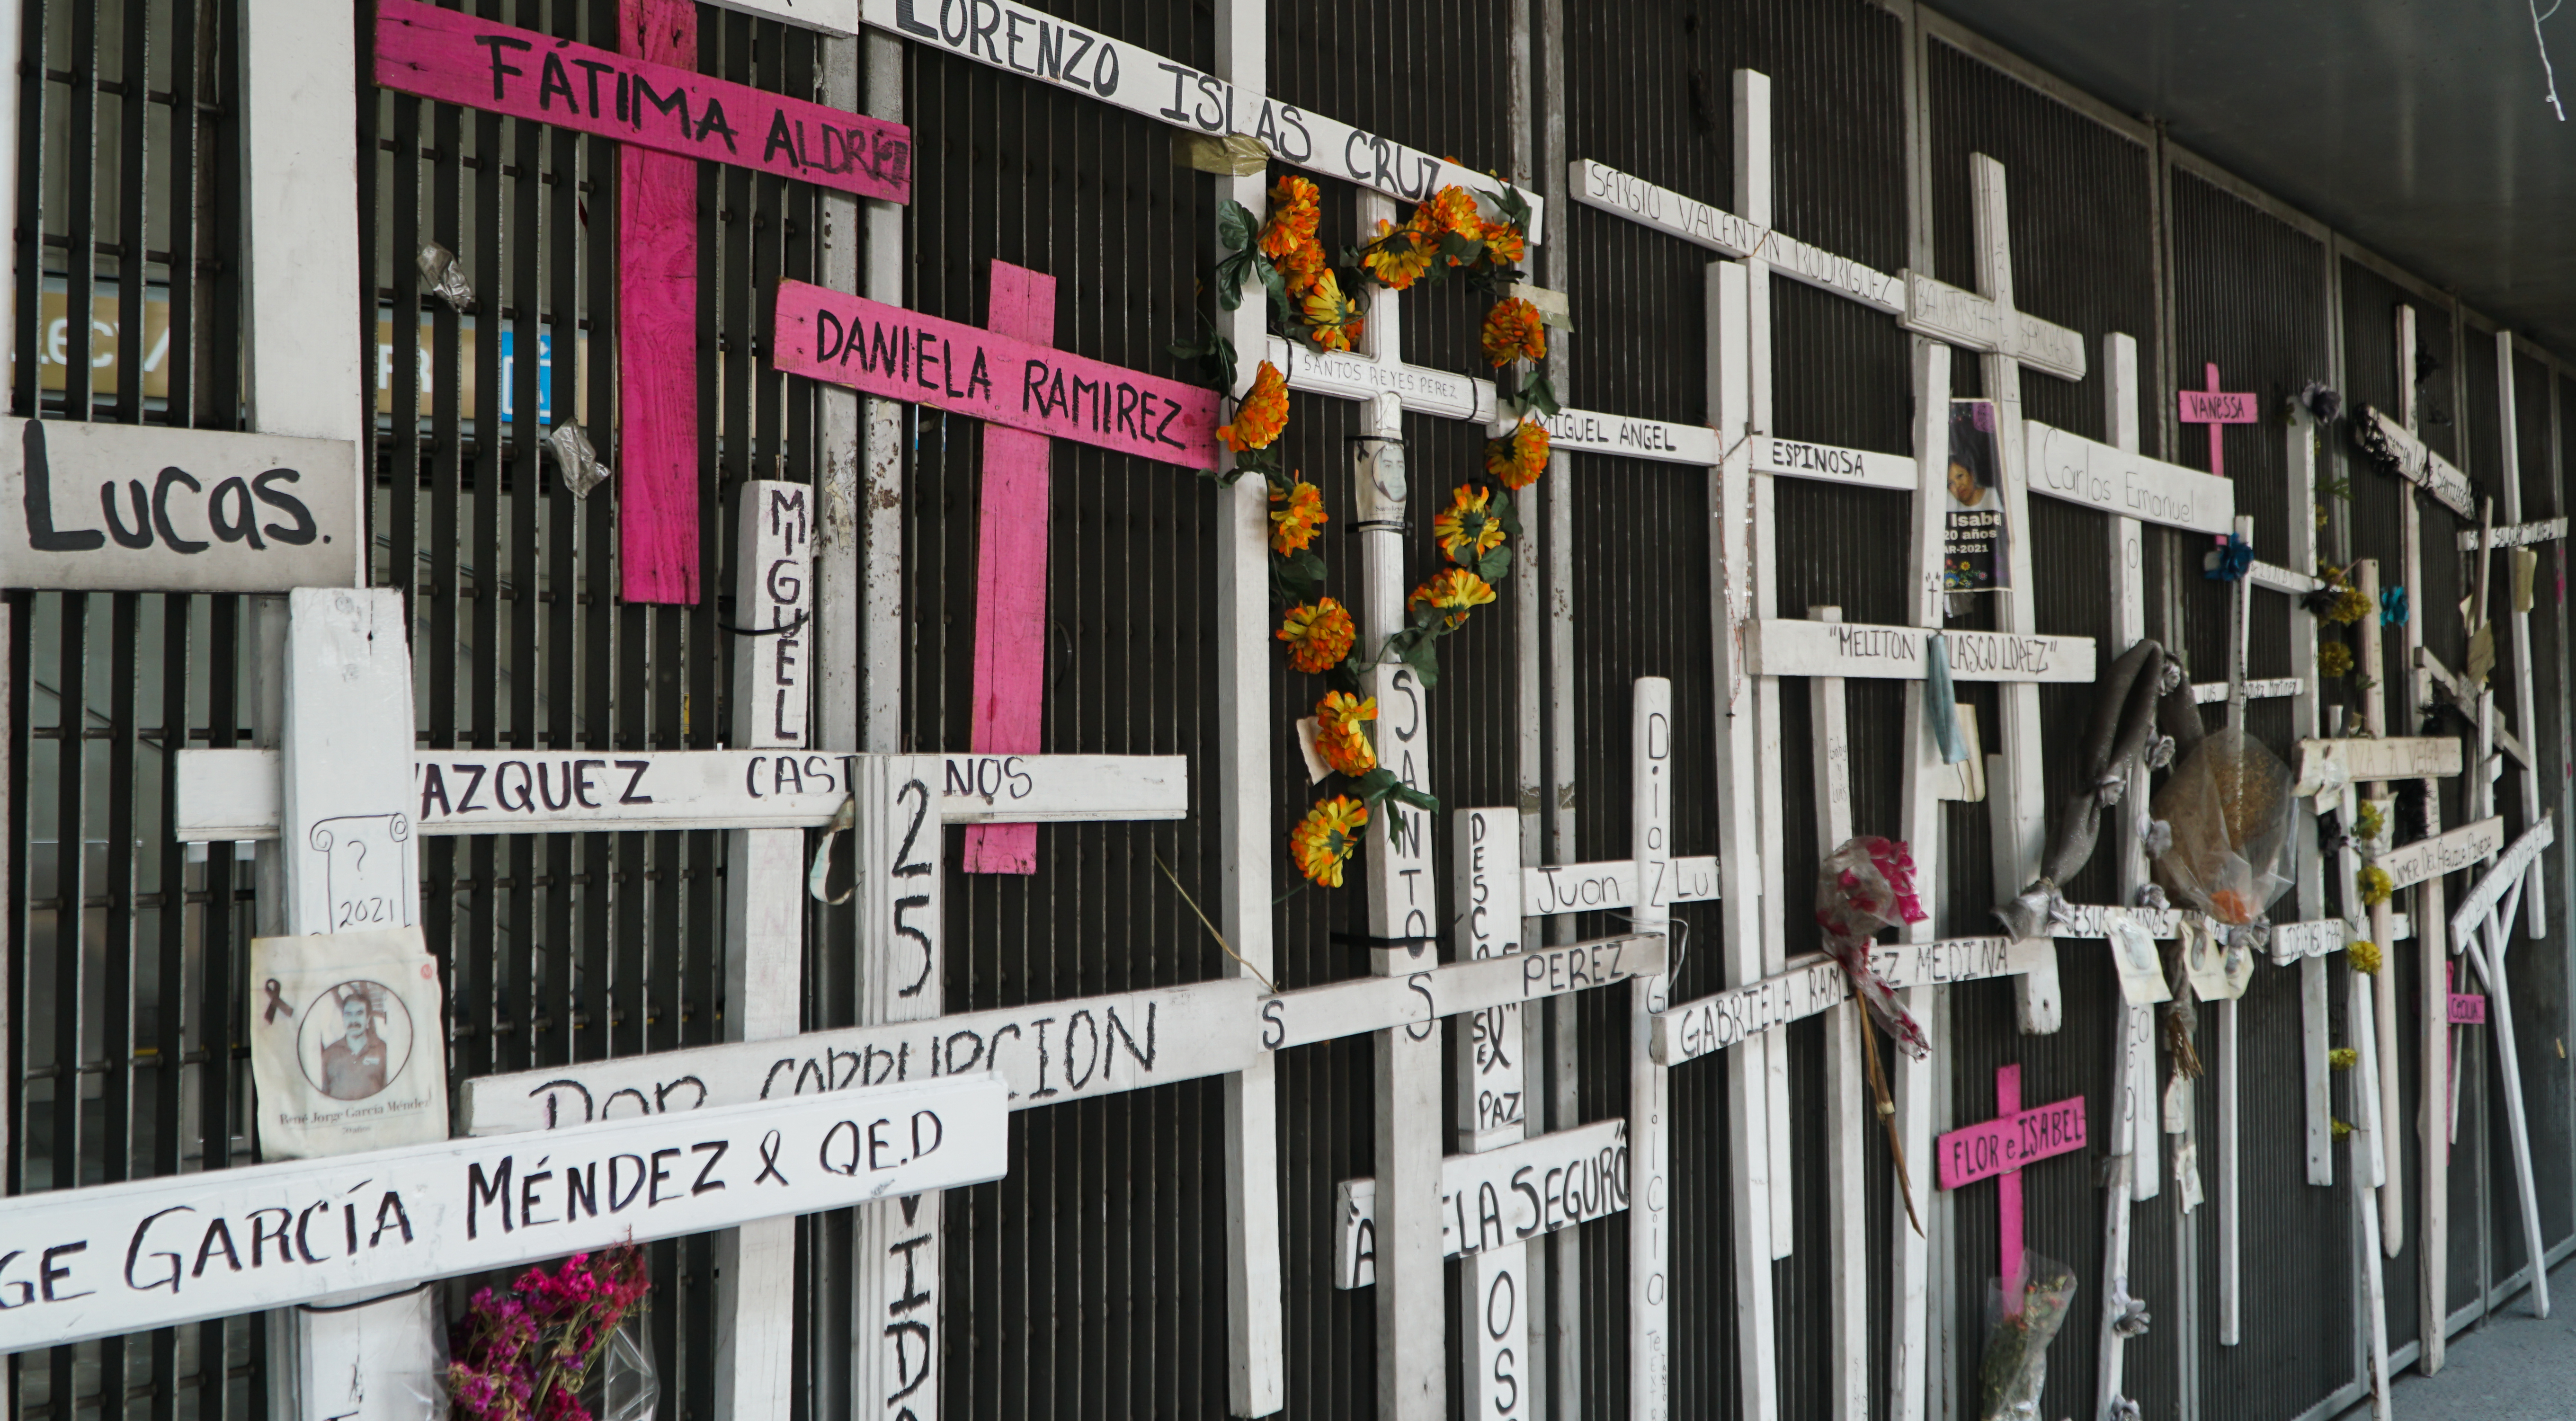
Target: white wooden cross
<point x="1499" y="894"/>
<point x="2483" y="928"/>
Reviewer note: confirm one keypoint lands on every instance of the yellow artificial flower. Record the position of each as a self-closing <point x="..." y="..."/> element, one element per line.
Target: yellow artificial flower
<point x="1263" y="413"/>
<point x="2348" y="606"/>
<point x="1294" y="524"/>
<point x="1453" y="590"/>
<point x="1505" y="244"/>
<point x="1518" y="458"/>
<point x="1327" y="837"/>
<point x="1398" y="257"/>
<point x="1338" y="740"/>
<point x="1451" y="209"/>
<point x="2367" y="821"/>
<point x="1513" y="332"/>
<point x="2334" y="658"/>
<point x="1466" y="532"/>
<point x="1301" y="268"/>
<point x="1318" y="636"/>
<point x="2339" y="1128"/>
<point x="1332" y="322"/>
<point x="2343" y="1058"/>
<point x="1295" y="208"/>
<point x="2375" y="888"/>
<point x="2364" y="954"/>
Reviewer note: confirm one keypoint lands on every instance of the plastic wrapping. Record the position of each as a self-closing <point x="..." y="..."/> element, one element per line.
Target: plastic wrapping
<point x="2229" y="803"/>
<point x="1865" y="885"/>
<point x="2015" y="1371"/>
<point x="624" y="1385"/>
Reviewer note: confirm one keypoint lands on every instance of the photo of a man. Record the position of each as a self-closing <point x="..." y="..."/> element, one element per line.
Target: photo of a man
<point x="354" y="1063"/>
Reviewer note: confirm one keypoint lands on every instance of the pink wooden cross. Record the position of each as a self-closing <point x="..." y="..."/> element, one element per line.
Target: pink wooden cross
<point x="666" y="118"/>
<point x="2218" y="408"/>
<point x="1997" y="1149"/>
<point x="1028" y="394"/>
<point x="2466" y="1009"/>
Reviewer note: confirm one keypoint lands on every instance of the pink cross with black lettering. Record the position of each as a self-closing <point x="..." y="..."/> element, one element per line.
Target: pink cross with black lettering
<point x="667" y="118"/>
<point x="1998" y="1149"/>
<point x="1009" y="375"/>
<point x="2218" y="409"/>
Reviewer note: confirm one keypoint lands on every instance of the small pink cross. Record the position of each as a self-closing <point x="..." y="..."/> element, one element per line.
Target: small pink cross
<point x="2466" y="1009"/>
<point x="1997" y="1149"/>
<point x="2217" y="408"/>
<point x="1011" y="579"/>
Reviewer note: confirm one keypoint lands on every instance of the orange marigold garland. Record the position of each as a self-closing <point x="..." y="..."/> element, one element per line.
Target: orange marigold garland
<point x="1300" y="515"/>
<point x="1518" y="458"/>
<point x="1398" y="258"/>
<point x="1327" y="837"/>
<point x="1339" y="742"/>
<point x="1301" y="268"/>
<point x="1513" y="332"/>
<point x="1263" y="413"/>
<point x="1295" y="209"/>
<point x="1319" y="635"/>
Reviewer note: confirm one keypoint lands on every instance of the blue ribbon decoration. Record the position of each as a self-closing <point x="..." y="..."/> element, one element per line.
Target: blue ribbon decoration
<point x="2392" y="606"/>
<point x="2229" y="562"/>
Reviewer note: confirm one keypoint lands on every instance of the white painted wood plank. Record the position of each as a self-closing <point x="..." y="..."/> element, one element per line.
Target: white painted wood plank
<point x="1549" y="889"/>
<point x="1036" y="45"/>
<point x="1412" y="992"/>
<point x="2426" y="860"/>
<point x="2525" y="671"/>
<point x="1990" y="325"/>
<point x="2423" y="468"/>
<point x="2361" y="758"/>
<point x="2488" y="952"/>
<point x="1741" y="845"/>
<point x="299" y="156"/>
<point x="1796" y="647"/>
<point x="1599" y="186"/>
<point x="1826" y="463"/>
<point x="2515" y="535"/>
<point x="1492" y="1079"/>
<point x="232" y="794"/>
<point x="1592" y="432"/>
<point x="2269" y="689"/>
<point x="1913" y="1084"/>
<point x="350" y="862"/>
<point x="1349" y="375"/>
<point x="2125" y="483"/>
<point x="2500" y="878"/>
<point x="764" y="923"/>
<point x="2017" y="803"/>
<point x="1650" y="800"/>
<point x="2282" y="579"/>
<point x="1046" y="1053"/>
<point x="441" y="1210"/>
<point x="146" y="508"/>
<point x="1499" y="1198"/>
<point x="900" y="1325"/>
<point x="1847" y="1093"/>
<point x="1704" y="1025"/>
<point x="2299" y="434"/>
<point x="2380" y="1044"/>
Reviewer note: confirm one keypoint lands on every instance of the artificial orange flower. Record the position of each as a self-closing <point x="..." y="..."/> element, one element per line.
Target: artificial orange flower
<point x="1451" y="209"/>
<point x="1513" y="332"/>
<point x="1465" y="531"/>
<point x="1332" y="322"/>
<point x="1318" y="636"/>
<point x="1327" y="837"/>
<point x="1504" y="243"/>
<point x="1263" y="413"/>
<point x="1293" y="525"/>
<point x="1453" y="590"/>
<point x="1300" y="268"/>
<point x="1295" y="208"/>
<point x="1338" y="740"/>
<point x="1398" y="257"/>
<point x="1518" y="458"/>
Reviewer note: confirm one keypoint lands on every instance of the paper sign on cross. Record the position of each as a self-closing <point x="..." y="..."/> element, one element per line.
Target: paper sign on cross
<point x="2218" y="409"/>
<point x="666" y="117"/>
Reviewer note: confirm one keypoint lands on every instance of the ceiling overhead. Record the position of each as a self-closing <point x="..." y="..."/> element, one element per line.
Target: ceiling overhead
<point x="2419" y="128"/>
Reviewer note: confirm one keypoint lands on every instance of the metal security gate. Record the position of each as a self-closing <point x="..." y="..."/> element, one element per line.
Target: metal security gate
<point x="1092" y="1281"/>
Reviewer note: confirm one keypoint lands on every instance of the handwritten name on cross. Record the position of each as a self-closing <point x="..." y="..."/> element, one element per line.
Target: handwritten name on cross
<point x="1999" y="1149"/>
<point x="666" y="117"/>
<point x="2218" y="409"/>
<point x="1010" y="376"/>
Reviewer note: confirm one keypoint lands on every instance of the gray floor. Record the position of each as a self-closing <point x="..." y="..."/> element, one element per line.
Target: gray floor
<point x="2515" y="1368"/>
